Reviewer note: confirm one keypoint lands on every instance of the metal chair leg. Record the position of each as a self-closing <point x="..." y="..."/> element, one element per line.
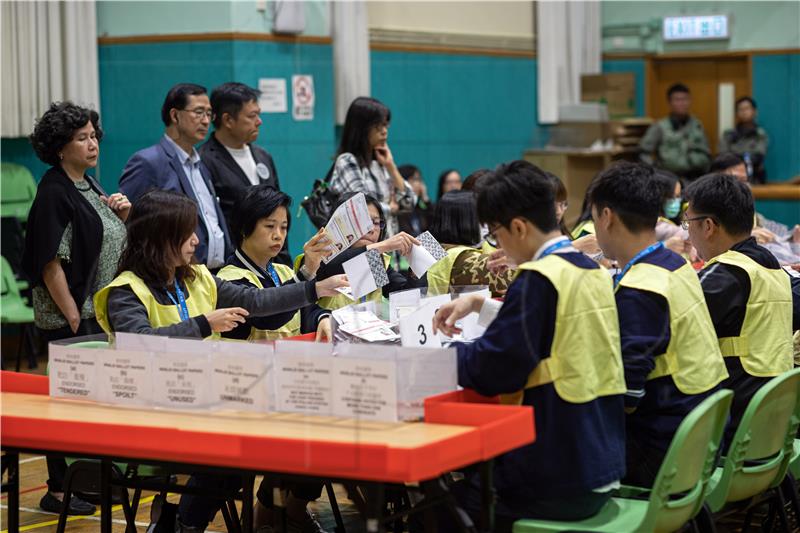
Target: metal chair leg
<point x="337" y="514"/>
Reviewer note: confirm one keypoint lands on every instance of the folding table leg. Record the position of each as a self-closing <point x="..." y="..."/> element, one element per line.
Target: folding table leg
<point x="487" y="496"/>
<point x="247" y="503"/>
<point x="11" y="464"/>
<point x="375" y="501"/>
<point x="105" y="496"/>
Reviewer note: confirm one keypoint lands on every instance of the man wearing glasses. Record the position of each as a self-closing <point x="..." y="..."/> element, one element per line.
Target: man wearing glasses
<point x="749" y="296"/>
<point x="174" y="165"/>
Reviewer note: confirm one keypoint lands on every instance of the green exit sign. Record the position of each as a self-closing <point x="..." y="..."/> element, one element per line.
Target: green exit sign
<point x="696" y="28"/>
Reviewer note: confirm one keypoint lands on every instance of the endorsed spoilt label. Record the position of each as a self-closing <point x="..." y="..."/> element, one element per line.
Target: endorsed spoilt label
<point x="180" y="380"/>
<point x="124" y="377"/>
<point x="73" y="372"/>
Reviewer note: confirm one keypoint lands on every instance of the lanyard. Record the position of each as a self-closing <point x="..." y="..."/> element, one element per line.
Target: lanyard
<point x="650" y="249"/>
<point x="183" y="311"/>
<point x="554" y="247"/>
<point x="274" y="275"/>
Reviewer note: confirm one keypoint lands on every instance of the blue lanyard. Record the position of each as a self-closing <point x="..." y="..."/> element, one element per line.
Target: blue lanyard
<point x="650" y="249"/>
<point x="183" y="311"/>
<point x="274" y="275"/>
<point x="554" y="247"/>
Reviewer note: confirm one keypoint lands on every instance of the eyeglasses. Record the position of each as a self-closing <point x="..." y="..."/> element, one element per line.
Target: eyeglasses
<point x="563" y="205"/>
<point x="685" y="221"/>
<point x="379" y="223"/>
<point x="200" y="112"/>
<point x="491" y="238"/>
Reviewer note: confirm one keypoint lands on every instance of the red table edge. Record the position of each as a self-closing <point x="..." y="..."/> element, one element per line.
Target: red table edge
<point x="498" y="429"/>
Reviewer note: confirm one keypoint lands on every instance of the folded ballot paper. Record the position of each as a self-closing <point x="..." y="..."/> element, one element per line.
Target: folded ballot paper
<point x="365" y="273"/>
<point x="426" y="255"/>
<point x="349" y="222"/>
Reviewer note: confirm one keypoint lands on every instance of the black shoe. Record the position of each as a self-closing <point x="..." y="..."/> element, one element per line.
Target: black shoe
<point x="94" y="497"/>
<point x="76" y="505"/>
<point x="163" y="516"/>
<point x="308" y="524"/>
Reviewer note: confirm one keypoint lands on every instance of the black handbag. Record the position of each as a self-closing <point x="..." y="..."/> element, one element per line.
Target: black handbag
<point x="321" y="202"/>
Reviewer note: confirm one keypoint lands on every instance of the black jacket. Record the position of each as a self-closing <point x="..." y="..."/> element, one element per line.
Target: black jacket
<point x="231" y="183"/>
<point x="57" y="204"/>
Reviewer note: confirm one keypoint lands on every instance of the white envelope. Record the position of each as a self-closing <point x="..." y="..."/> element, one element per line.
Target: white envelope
<point x="359" y="276"/>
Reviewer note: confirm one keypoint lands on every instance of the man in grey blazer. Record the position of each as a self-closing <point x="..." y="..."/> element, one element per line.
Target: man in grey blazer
<point x="236" y="163"/>
<point x="173" y="164"/>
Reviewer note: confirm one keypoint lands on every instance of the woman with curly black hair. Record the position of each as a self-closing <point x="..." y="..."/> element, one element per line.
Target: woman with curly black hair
<point x="74" y="238"/>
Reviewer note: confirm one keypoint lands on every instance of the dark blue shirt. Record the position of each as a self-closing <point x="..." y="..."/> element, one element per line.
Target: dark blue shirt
<point x="579" y="447"/>
<point x="645" y="334"/>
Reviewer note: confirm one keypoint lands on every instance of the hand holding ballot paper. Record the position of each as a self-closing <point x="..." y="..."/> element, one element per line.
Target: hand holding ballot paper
<point x="349" y="222"/>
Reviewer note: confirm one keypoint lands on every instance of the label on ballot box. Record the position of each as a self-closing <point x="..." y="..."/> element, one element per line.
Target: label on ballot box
<point x="303" y="382"/>
<point x="365" y="389"/>
<point x="181" y="381"/>
<point x="124" y="377"/>
<point x="416" y="329"/>
<point x="239" y="382"/>
<point x="73" y="372"/>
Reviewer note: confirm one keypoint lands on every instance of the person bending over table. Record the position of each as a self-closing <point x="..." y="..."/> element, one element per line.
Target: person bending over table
<point x="159" y="290"/>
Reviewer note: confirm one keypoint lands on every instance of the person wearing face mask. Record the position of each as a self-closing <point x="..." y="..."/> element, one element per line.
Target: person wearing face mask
<point x="374" y="240"/>
<point x="364" y="162"/>
<point x="231" y="155"/>
<point x="668" y="230"/>
<point x="678" y="142"/>
<point x="174" y="165"/>
<point x="74" y="238"/>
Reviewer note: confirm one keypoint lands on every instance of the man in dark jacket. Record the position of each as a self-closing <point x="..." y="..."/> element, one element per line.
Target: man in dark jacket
<point x="231" y="155"/>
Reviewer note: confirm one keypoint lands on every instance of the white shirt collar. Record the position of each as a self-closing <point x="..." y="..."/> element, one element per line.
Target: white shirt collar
<point x="182" y="155"/>
<point x="551" y="242"/>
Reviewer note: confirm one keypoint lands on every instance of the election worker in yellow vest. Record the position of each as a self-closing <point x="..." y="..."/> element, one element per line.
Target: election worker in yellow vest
<point x="259" y="227"/>
<point x="455" y="225"/>
<point x="373" y="240"/>
<point x="749" y="295"/>
<point x="669" y="349"/>
<point x="552" y="344"/>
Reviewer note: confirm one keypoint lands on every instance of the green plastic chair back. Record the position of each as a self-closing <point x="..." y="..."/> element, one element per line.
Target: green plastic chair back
<point x="762" y="447"/>
<point x="13" y="308"/>
<point x="17" y="191"/>
<point x="142" y="470"/>
<point x="680" y="486"/>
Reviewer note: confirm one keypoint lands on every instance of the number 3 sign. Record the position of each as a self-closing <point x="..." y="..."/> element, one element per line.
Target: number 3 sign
<point x="416" y="328"/>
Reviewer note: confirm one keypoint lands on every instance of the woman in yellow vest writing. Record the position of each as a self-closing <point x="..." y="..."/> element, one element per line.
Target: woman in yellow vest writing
<point x="160" y="291"/>
<point x="259" y="227"/>
<point x="455" y="225"/>
<point x="374" y="240"/>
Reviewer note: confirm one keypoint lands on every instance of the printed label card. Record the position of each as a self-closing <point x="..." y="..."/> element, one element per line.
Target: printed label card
<point x="181" y="380"/>
<point x="303" y="383"/>
<point x="365" y="389"/>
<point x="125" y="377"/>
<point x="73" y="372"/>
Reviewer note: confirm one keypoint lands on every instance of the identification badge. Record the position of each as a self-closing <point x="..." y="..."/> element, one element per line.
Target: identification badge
<point x="263" y="171"/>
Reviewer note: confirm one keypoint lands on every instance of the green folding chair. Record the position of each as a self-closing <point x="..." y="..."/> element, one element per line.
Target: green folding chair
<point x="680" y="486"/>
<point x="759" y="454"/>
<point x="14" y="309"/>
<point x="17" y="191"/>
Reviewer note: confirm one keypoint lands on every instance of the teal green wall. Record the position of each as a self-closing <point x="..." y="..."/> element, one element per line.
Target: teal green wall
<point x="784" y="211"/>
<point x="776" y="89"/>
<point x="457" y="111"/>
<point x="753" y="24"/>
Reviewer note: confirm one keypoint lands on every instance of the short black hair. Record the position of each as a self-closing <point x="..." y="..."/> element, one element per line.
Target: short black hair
<point x="407" y="171"/>
<point x="628" y="189"/>
<point x="455" y="219"/>
<point x="473" y="181"/>
<point x="726" y="199"/>
<point x="259" y="202"/>
<point x="676" y="88"/>
<point x="724" y="161"/>
<point x="177" y="98"/>
<point x="517" y="189"/>
<point x="442" y="178"/>
<point x="745" y="99"/>
<point x="230" y="98"/>
<point x="56" y="127"/>
<point x="665" y="181"/>
<point x="364" y="113"/>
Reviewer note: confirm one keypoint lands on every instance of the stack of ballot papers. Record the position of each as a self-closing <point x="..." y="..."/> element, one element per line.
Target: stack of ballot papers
<point x="355" y="324"/>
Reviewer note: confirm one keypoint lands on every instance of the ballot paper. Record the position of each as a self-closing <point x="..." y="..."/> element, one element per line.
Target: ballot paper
<point x="470" y="329"/>
<point x="73" y="372"/>
<point x="424" y="256"/>
<point x="364" y="325"/>
<point x="416" y="329"/>
<point x="422" y="373"/>
<point x="181" y="380"/>
<point x="349" y="222"/>
<point x="124" y="377"/>
<point x="365" y="273"/>
<point x="365" y="389"/>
